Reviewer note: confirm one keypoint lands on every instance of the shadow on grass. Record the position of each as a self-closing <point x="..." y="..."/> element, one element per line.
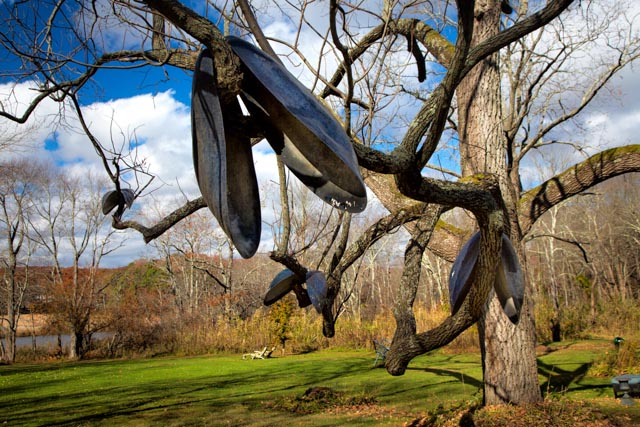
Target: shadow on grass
<point x="66" y="394"/>
<point x="561" y="380"/>
<point x="454" y="375"/>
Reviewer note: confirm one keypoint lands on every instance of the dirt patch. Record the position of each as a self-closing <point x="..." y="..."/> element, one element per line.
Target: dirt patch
<point x="323" y="399"/>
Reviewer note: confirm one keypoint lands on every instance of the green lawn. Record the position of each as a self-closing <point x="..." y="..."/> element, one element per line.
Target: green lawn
<point x="226" y="390"/>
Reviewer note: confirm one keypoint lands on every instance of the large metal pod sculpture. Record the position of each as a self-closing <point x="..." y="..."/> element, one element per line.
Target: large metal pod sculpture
<point x="309" y="139"/>
<point x="509" y="281"/>
<point x="223" y="161"/>
<point x="121" y="199"/>
<point x="459" y="283"/>
<point x="317" y="289"/>
<point x="281" y="285"/>
<point x="287" y="281"/>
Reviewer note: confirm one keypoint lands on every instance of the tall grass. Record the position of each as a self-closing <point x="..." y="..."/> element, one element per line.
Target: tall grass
<point x="179" y="334"/>
<point x="305" y="333"/>
<point x="183" y="335"/>
<point x="609" y="318"/>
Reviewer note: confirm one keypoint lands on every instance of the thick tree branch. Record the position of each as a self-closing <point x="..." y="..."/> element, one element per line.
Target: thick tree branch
<point x="538" y="20"/>
<point x="592" y="171"/>
<point x="446" y="240"/>
<point x="433" y="41"/>
<point x="156" y="230"/>
<point x="227" y="64"/>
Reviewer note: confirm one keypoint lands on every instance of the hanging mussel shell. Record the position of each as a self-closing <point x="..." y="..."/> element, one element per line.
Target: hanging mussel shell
<point x="281" y="285"/>
<point x="317" y="289"/>
<point x="309" y="139"/>
<point x="114" y="198"/>
<point x="509" y="281"/>
<point x="459" y="283"/>
<point x="223" y="161"/>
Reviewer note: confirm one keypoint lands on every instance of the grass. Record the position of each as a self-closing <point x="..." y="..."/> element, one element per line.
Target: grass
<point x="226" y="390"/>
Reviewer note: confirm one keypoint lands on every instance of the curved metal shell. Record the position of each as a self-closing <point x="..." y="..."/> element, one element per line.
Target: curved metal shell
<point x="459" y="283"/>
<point x="113" y="199"/>
<point x="313" y="144"/>
<point x="223" y="161"/>
<point x="128" y="195"/>
<point x="317" y="289"/>
<point x="110" y="200"/>
<point x="281" y="285"/>
<point x="509" y="284"/>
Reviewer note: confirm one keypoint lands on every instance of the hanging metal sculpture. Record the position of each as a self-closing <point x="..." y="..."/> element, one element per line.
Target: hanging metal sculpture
<point x="280" y="286"/>
<point x="509" y="281"/>
<point x="309" y="139"/>
<point x="122" y="200"/>
<point x="459" y="283"/>
<point x="317" y="289"/>
<point x="286" y="281"/>
<point x="301" y="130"/>
<point x="223" y="161"/>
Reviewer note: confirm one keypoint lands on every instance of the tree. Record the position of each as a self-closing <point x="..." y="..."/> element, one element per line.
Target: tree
<point x="372" y="79"/>
<point x="17" y="192"/>
<point x="71" y="225"/>
<point x="192" y="253"/>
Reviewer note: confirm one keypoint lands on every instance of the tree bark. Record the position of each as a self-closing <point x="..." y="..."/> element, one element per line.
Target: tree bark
<point x="508" y="351"/>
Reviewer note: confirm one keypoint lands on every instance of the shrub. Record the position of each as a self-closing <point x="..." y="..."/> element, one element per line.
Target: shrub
<point x="621" y="360"/>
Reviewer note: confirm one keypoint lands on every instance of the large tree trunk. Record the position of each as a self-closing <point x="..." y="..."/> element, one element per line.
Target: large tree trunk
<point x="77" y="345"/>
<point x="508" y="351"/>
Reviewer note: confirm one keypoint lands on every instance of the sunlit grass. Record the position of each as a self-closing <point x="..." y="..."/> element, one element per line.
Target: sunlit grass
<point x="226" y="390"/>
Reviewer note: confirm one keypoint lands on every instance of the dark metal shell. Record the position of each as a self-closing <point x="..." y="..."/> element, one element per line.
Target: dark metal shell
<point x="223" y="161"/>
<point x="113" y="199"/>
<point x="110" y="201"/>
<point x="509" y="281"/>
<point x="312" y="143"/>
<point x="459" y="283"/>
<point x="509" y="284"/>
<point x="317" y="289"/>
<point x="128" y="195"/>
<point x="281" y="285"/>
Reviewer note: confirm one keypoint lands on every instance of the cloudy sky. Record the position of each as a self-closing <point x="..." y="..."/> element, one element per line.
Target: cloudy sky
<point x="150" y="109"/>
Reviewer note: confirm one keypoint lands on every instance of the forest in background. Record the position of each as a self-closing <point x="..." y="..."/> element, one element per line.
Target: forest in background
<point x="584" y="271"/>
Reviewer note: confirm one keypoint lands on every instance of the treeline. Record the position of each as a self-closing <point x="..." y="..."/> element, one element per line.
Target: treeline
<point x="584" y="278"/>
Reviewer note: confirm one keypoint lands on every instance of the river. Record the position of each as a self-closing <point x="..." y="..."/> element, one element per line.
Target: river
<point x="52" y="340"/>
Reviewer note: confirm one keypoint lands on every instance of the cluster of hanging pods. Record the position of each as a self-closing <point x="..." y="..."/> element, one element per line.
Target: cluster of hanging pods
<point x="509" y="281"/>
<point x="308" y="139"/>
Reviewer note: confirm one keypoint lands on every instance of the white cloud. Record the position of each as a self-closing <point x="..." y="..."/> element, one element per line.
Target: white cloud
<point x="161" y="127"/>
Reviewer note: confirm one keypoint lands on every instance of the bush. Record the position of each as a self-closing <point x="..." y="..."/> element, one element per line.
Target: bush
<point x="622" y="360"/>
<point x="575" y="321"/>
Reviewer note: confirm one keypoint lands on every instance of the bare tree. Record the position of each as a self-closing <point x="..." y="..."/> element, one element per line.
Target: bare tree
<point x="17" y="191"/>
<point x="199" y="261"/>
<point x="360" y="68"/>
<point x="73" y="231"/>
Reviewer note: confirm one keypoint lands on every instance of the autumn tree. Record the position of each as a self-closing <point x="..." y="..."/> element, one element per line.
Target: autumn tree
<point x="73" y="231"/>
<point x="367" y="63"/>
<point x="18" y="187"/>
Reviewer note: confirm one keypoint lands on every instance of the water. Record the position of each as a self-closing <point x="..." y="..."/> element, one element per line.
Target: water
<point x="52" y="340"/>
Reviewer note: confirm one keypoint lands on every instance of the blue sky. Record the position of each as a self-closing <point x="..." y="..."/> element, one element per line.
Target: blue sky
<point x="150" y="107"/>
